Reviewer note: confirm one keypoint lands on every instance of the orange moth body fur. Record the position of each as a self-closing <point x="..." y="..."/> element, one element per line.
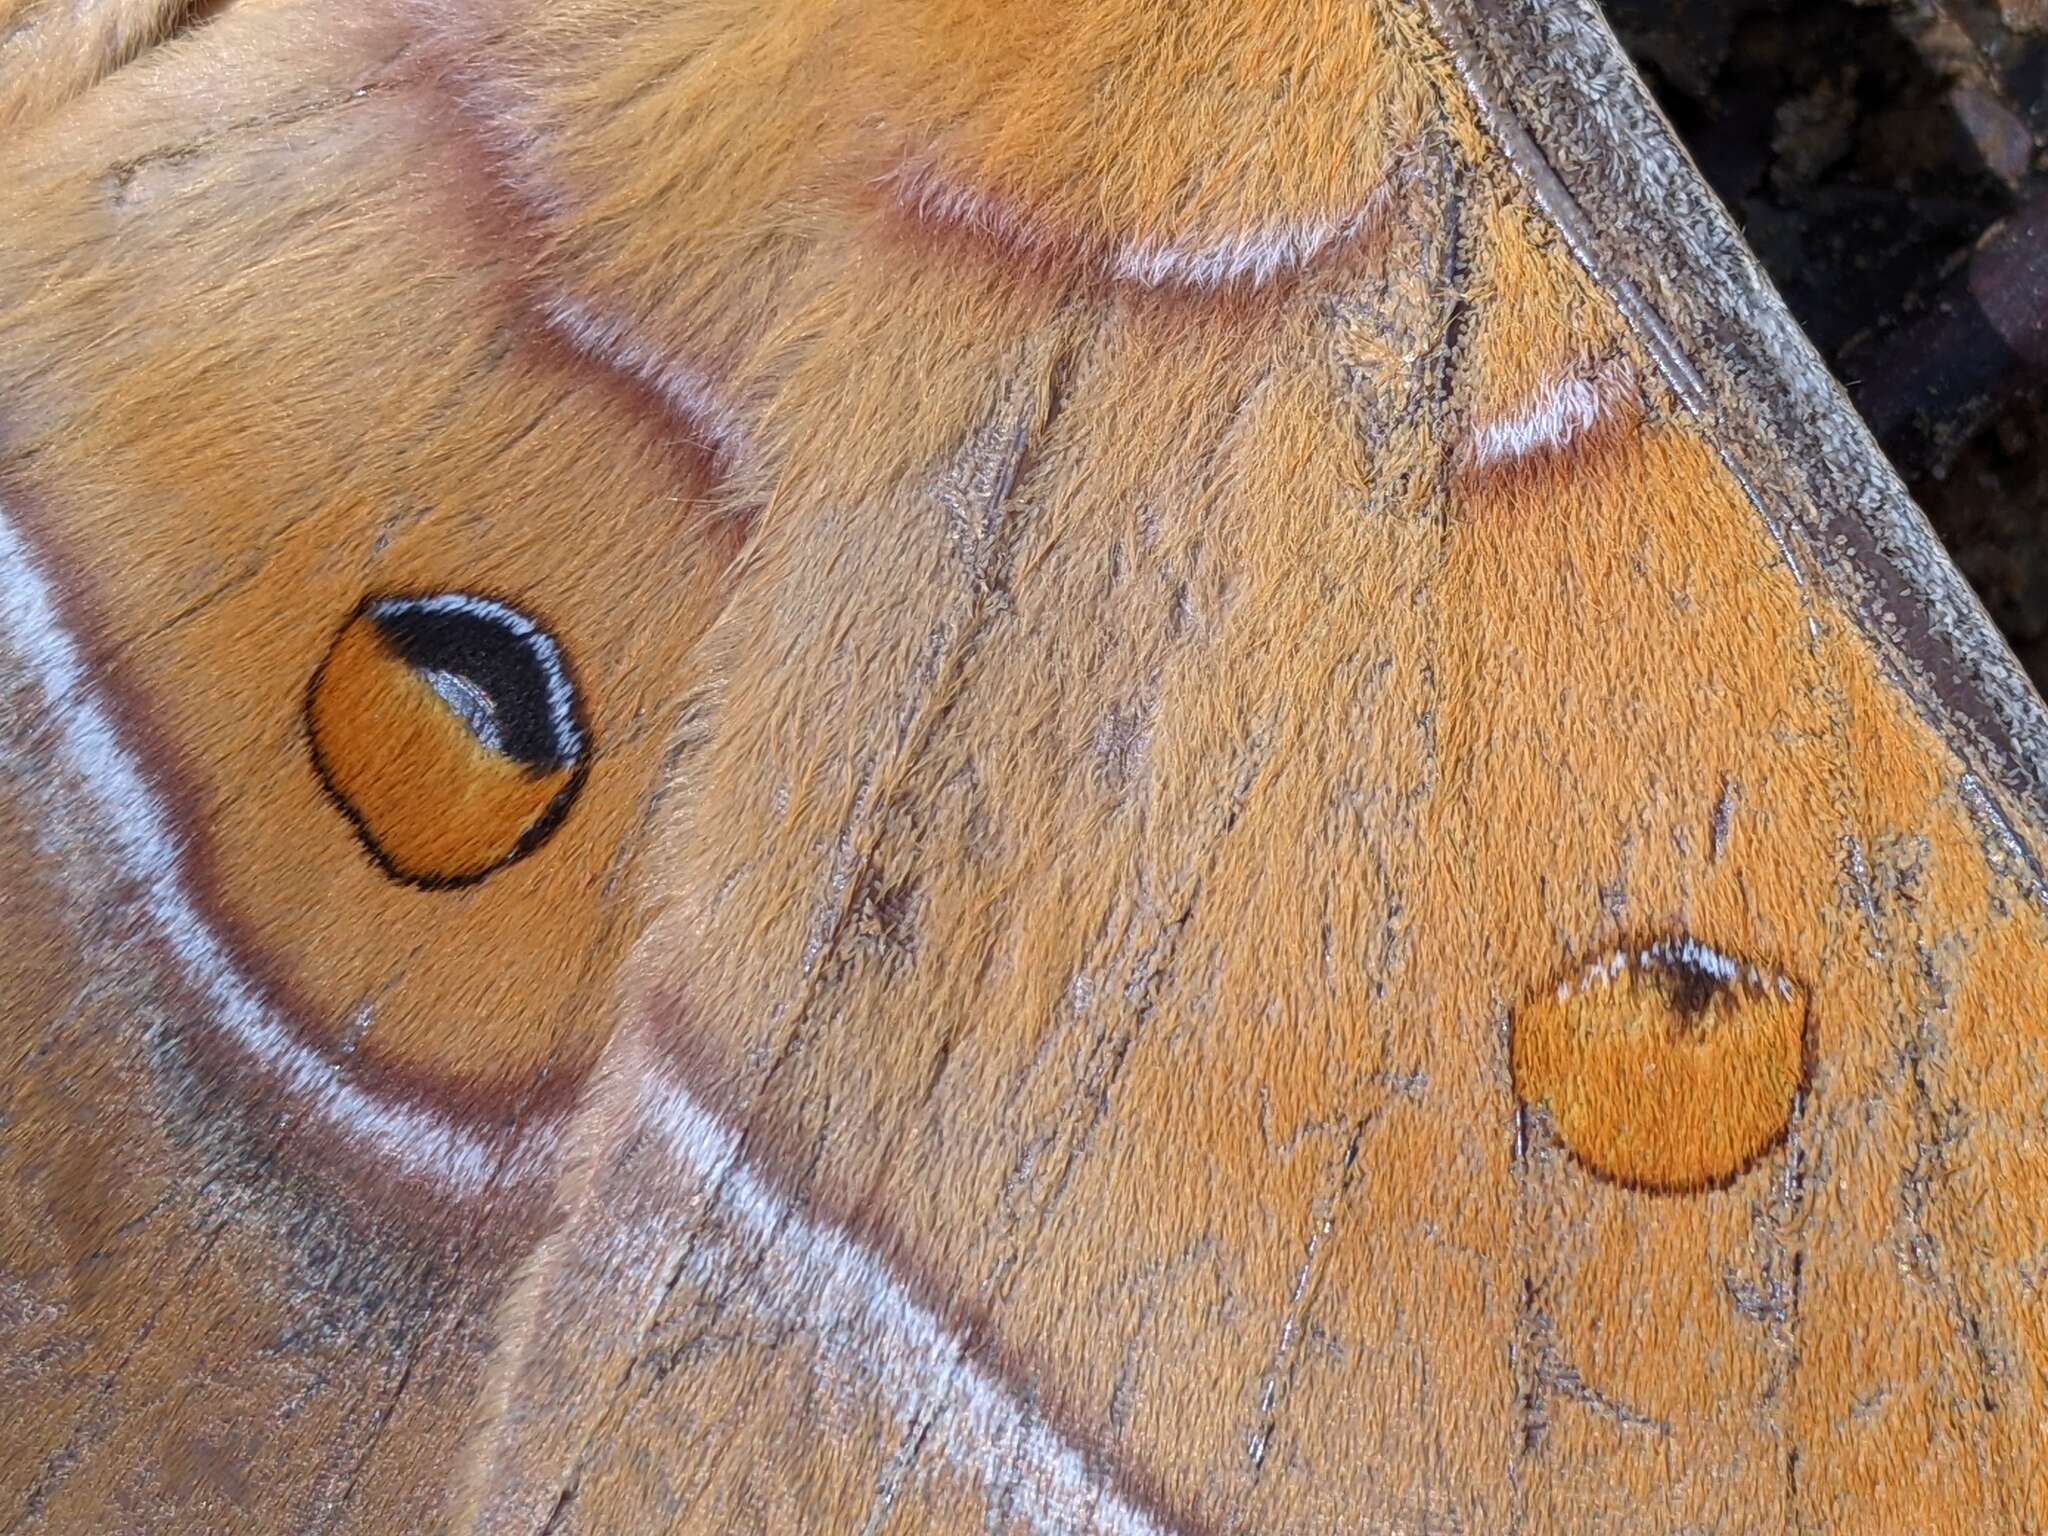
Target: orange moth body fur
<point x="1143" y="625"/>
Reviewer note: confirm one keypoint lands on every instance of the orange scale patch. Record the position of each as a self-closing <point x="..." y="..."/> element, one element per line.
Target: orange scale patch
<point x="1669" y="1068"/>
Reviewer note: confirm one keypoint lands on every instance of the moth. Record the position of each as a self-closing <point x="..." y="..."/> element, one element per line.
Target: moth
<point x="934" y="765"/>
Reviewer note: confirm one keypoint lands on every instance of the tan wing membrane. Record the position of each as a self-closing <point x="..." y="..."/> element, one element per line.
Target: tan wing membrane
<point x="1219" y="877"/>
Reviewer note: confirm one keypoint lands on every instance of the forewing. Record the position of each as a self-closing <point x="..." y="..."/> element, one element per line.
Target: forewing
<point x="1208" y="710"/>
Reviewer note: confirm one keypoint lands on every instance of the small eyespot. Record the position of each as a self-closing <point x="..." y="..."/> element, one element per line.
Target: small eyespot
<point x="1670" y="1067"/>
<point x="448" y="730"/>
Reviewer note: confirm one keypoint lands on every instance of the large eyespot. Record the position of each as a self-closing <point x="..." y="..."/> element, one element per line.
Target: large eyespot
<point x="449" y="732"/>
<point x="1670" y="1067"/>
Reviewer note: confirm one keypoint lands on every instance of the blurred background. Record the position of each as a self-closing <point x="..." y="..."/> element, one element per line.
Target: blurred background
<point x="1888" y="160"/>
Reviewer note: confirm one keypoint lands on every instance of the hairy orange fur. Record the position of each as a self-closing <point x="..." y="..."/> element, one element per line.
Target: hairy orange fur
<point x="51" y="50"/>
<point x="1657" y="1080"/>
<point x="1139" y="613"/>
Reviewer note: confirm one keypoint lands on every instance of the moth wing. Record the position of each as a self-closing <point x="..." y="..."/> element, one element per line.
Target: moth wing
<point x="277" y="1126"/>
<point x="1259" y="717"/>
<point x="1310" y="900"/>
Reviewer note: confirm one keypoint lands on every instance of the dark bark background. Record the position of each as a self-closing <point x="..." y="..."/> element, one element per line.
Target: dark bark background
<point x="1888" y="160"/>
